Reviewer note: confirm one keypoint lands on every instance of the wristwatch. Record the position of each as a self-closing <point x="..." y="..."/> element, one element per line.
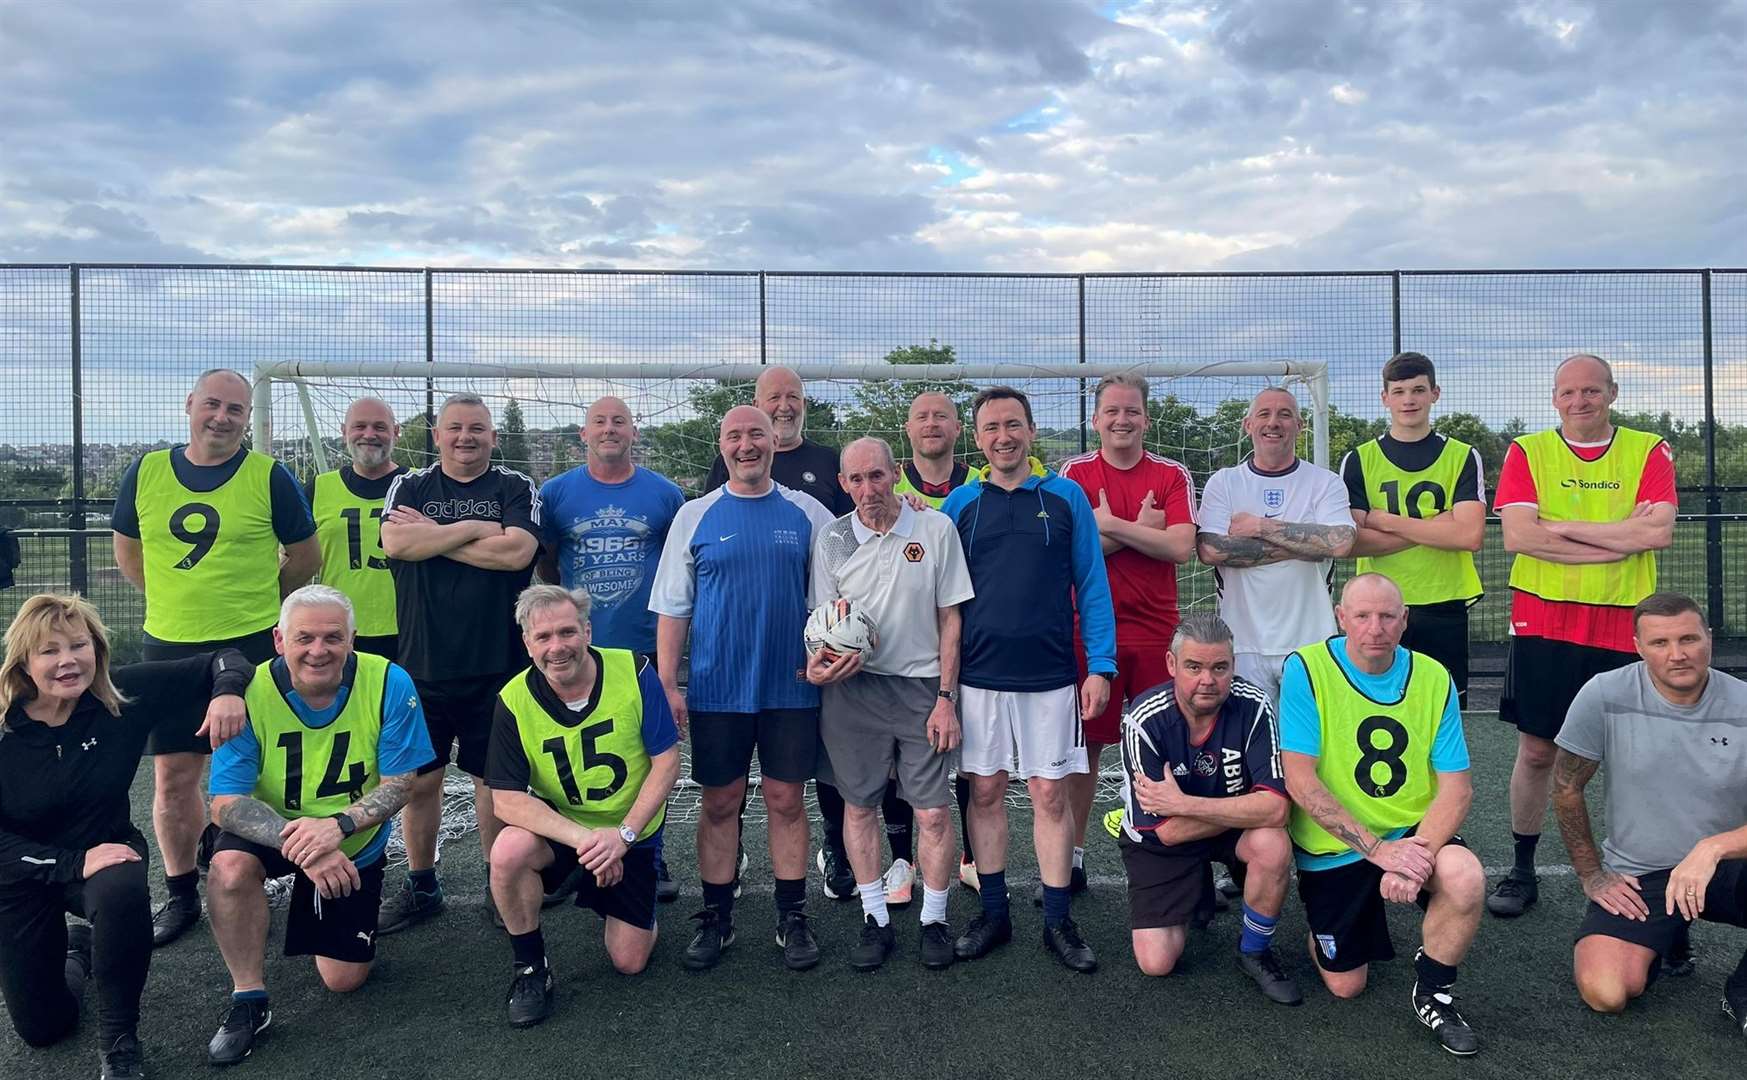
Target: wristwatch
<point x="347" y="825"/>
<point x="949" y="695"/>
<point x="628" y="835"/>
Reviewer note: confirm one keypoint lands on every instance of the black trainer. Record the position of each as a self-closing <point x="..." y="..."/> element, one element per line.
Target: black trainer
<point x="531" y="994"/>
<point x="1069" y="947"/>
<point x="666" y="889"/>
<point x="982" y="936"/>
<point x="713" y="935"/>
<point x="1514" y="895"/>
<point x="1681" y="959"/>
<point x="1077" y="884"/>
<point x="174" y="917"/>
<point x="839" y="878"/>
<point x="408" y="907"/>
<point x="1264" y="970"/>
<point x="877" y="942"/>
<point x="800" y="948"/>
<point x="937" y="951"/>
<point x="1225" y="883"/>
<point x="235" y="1039"/>
<point x="1437" y="1010"/>
<point x="1735" y="1007"/>
<point x="124" y="1060"/>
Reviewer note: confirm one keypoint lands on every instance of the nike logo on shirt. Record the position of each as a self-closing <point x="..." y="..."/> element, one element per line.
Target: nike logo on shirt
<point x="725" y="539"/>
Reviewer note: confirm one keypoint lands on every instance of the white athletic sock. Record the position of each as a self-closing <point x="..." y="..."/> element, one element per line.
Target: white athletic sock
<point x="933" y="905"/>
<point x="873" y="901"/>
<point x="1080" y="858"/>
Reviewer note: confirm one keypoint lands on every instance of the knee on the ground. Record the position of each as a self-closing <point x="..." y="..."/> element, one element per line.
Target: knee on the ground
<point x="629" y="962"/>
<point x="1345" y="985"/>
<point x="343" y="978"/>
<point x="1607" y="991"/>
<point x="1157" y="962"/>
<point x="48" y="1031"/>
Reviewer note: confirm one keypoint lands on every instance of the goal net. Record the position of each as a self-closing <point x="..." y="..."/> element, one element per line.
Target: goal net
<point x="1196" y="414"/>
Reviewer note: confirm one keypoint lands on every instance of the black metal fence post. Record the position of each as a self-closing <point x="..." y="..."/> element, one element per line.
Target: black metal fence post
<point x="1082" y="325"/>
<point x="1395" y="309"/>
<point x="763" y="324"/>
<point x="78" y="566"/>
<point x="430" y="384"/>
<point x="1713" y="497"/>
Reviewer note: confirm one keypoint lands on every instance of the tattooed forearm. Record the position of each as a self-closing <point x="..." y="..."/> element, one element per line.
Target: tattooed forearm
<point x="252" y="819"/>
<point x="381" y="804"/>
<point x="1308" y="541"/>
<point x="1571" y="772"/>
<point x="1217" y="549"/>
<point x="1331" y="815"/>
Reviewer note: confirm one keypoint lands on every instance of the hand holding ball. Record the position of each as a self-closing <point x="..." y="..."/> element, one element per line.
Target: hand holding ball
<point x="836" y="629"/>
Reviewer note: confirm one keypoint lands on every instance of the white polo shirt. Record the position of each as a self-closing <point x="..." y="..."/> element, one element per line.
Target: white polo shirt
<point x="1278" y="607"/>
<point x="900" y="579"/>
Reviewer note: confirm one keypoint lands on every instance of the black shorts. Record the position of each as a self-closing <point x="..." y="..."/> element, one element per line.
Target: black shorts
<point x="386" y="646"/>
<point x="1348" y="917"/>
<point x="341" y="928"/>
<point x="1441" y="632"/>
<point x="459" y="711"/>
<point x="787" y="741"/>
<point x="1725" y="902"/>
<point x="1542" y="676"/>
<point x="258" y="647"/>
<point x="631" y="901"/>
<point x="1168" y="889"/>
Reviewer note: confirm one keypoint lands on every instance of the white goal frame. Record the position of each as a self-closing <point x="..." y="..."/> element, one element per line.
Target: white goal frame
<point x="1313" y="373"/>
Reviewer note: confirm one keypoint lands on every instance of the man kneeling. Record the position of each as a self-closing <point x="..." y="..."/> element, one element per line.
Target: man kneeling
<point x="1673" y="732"/>
<point x="1201" y="782"/>
<point x="1377" y="765"/>
<point x="584" y="753"/>
<point x="333" y="742"/>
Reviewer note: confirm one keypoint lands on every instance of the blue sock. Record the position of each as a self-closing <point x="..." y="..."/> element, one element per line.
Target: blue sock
<point x="1258" y="931"/>
<point x="248" y="995"/>
<point x="994" y="891"/>
<point x="1055" y="905"/>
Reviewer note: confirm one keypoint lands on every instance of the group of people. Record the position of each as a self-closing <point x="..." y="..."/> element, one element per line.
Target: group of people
<point x="1027" y="619"/>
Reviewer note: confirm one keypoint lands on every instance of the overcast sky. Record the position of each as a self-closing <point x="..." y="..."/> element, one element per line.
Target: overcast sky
<point x="877" y="134"/>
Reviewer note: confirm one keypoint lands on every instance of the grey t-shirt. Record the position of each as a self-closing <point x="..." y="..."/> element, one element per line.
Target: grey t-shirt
<point x="1675" y="773"/>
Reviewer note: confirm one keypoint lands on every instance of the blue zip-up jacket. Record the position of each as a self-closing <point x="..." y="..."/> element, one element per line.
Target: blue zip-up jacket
<point x="1033" y="552"/>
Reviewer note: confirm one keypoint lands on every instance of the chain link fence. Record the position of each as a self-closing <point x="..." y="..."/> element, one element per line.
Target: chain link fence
<point x="95" y="362"/>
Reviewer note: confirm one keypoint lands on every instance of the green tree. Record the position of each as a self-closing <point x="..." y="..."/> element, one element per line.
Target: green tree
<point x="410" y="449"/>
<point x="880" y="406"/>
<point x="512" y="439"/>
<point x="564" y="445"/>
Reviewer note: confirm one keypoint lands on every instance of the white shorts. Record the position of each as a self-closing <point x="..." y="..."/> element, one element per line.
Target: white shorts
<point x="1035" y="734"/>
<point x="1263" y="669"/>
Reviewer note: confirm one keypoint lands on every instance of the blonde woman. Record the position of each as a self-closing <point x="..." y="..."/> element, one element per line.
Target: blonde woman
<point x="69" y="746"/>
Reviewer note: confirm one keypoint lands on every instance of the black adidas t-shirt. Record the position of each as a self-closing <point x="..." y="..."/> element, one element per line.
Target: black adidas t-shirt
<point x="1240" y="753"/>
<point x="458" y="621"/>
<point x="1411" y="457"/>
<point x="809" y="467"/>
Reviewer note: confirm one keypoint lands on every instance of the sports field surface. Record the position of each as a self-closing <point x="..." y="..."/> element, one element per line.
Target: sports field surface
<point x="434" y="1005"/>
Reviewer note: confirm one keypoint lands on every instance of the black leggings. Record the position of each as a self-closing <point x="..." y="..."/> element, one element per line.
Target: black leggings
<point x="33" y="949"/>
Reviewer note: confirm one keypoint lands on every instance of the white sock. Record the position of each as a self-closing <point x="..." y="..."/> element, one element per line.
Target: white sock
<point x="873" y="901"/>
<point x="1080" y="858"/>
<point x="933" y="905"/>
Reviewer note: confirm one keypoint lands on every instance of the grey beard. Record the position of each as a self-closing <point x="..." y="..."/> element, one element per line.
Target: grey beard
<point x="370" y="457"/>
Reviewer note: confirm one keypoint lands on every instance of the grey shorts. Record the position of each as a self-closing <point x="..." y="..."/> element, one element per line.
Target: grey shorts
<point x="875" y="726"/>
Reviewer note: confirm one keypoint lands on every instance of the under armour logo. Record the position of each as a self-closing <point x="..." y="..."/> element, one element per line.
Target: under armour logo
<point x="89" y="743"/>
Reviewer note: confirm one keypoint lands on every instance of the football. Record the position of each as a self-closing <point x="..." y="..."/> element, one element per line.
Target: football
<point x="838" y="628"/>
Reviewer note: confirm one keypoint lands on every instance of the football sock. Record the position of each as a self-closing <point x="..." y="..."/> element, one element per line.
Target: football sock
<point x="933" y="905"/>
<point x="1258" y="932"/>
<point x="1079" y="858"/>
<point x="1055" y="904"/>
<point x="1433" y="976"/>
<point x="831" y="813"/>
<point x="249" y="995"/>
<point x="720" y="899"/>
<point x="424" y="881"/>
<point x="994" y="894"/>
<point x="529" y="949"/>
<point x="791" y="894"/>
<point x="961" y="788"/>
<point x="183" y="886"/>
<point x="900" y="818"/>
<point x="873" y="900"/>
<point x="1525" y="853"/>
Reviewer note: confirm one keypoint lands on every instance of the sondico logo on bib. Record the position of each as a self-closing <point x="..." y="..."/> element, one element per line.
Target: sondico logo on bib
<point x="1590" y="485"/>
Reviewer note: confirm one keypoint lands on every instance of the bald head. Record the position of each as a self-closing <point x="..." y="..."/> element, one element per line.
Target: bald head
<point x="1371" y="587"/>
<point x="747" y="447"/>
<point x="218" y="416"/>
<point x="370" y="434"/>
<point x="609" y="432"/>
<point x="1373" y="618"/>
<point x="221" y="376"/>
<point x="1273" y="424"/>
<point x="779" y="393"/>
<point x="933" y="426"/>
<point x="868" y="451"/>
<point x="1584" y="392"/>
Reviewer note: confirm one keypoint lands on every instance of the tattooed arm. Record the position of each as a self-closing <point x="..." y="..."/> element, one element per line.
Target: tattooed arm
<point x="1298" y="539"/>
<point x="249" y="818"/>
<point x="384" y="802"/>
<point x="1409" y="856"/>
<point x="1218" y="549"/>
